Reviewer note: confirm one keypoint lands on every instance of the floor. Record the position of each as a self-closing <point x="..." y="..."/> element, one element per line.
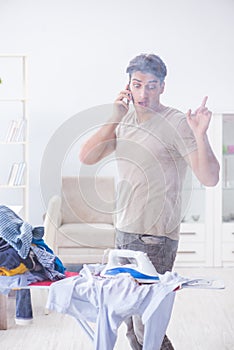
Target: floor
<point x="201" y="320"/>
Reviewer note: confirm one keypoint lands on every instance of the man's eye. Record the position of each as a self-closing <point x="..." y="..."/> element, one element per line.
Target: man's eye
<point x="136" y="85"/>
<point x="152" y="87"/>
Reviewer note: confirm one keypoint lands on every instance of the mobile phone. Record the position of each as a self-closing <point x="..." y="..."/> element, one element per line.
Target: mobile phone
<point x="129" y="92"/>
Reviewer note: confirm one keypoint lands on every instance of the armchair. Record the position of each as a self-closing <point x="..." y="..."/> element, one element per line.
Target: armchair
<point x="79" y="223"/>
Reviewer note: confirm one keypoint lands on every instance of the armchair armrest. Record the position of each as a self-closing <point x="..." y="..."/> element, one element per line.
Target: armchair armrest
<point x="52" y="221"/>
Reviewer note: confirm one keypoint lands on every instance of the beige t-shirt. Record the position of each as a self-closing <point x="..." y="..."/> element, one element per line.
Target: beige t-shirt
<point x="151" y="165"/>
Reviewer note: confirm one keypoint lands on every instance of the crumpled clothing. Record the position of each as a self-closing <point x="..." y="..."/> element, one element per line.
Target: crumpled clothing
<point x="10" y="261"/>
<point x="9" y="258"/>
<point x="15" y="231"/>
<point x="3" y="245"/>
<point x="47" y="261"/>
<point x="7" y="283"/>
<point x="20" y="235"/>
<point x="38" y="232"/>
<point x="17" y="270"/>
<point x="40" y="243"/>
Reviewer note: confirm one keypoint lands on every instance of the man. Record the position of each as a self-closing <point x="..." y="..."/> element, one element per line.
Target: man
<point x="153" y="145"/>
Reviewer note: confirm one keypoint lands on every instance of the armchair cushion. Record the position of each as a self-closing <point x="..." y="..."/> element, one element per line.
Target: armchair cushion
<point x="85" y="235"/>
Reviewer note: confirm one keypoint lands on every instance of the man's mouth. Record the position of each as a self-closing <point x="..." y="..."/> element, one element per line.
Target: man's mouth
<point x="142" y="103"/>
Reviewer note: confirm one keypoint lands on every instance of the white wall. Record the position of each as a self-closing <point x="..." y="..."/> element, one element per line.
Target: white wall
<point x="78" y="52"/>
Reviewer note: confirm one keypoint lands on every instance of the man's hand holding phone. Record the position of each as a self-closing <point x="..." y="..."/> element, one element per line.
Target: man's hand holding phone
<point x="121" y="104"/>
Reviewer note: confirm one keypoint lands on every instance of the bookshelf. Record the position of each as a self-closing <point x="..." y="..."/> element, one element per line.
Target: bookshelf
<point x="14" y="133"/>
<point x="207" y="230"/>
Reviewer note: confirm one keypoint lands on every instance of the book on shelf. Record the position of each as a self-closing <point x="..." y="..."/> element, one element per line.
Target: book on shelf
<point x="11" y="131"/>
<point x="20" y="174"/>
<point x="19" y="136"/>
<point x="13" y="173"/>
<point x="16" y="174"/>
<point x="15" y="132"/>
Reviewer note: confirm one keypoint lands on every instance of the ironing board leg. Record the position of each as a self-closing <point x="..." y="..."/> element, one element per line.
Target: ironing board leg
<point x="3" y="312"/>
<point x="86" y="327"/>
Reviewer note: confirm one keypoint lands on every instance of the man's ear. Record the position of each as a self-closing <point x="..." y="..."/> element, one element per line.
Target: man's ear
<point x="162" y="87"/>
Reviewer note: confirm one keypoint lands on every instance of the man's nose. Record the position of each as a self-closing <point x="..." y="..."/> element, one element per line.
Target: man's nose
<point x="143" y="93"/>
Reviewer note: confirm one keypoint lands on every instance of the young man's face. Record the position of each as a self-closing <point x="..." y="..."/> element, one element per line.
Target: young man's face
<point x="146" y="89"/>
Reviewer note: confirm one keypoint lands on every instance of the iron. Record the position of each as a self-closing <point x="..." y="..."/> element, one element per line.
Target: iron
<point x="135" y="263"/>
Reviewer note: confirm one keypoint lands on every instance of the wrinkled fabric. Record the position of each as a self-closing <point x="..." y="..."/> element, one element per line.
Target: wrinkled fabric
<point x="10" y="261"/>
<point x="47" y="261"/>
<point x="9" y="258"/>
<point x="40" y="243"/>
<point x="18" y="270"/>
<point x="15" y="231"/>
<point x="13" y="282"/>
<point x="17" y="254"/>
<point x="20" y="235"/>
<point x="3" y="245"/>
<point x="38" y="232"/>
<point x="108" y="302"/>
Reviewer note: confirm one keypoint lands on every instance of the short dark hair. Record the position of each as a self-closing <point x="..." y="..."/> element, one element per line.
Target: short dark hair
<point x="148" y="63"/>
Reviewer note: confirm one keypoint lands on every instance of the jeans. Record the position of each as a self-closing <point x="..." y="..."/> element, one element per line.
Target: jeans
<point x="162" y="252"/>
<point x="23" y="304"/>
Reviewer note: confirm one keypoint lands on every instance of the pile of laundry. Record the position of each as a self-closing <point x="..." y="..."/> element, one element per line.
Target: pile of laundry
<point x="24" y="256"/>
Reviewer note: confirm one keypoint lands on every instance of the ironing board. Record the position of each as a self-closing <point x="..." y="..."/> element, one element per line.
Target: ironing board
<point x="156" y="311"/>
<point x="193" y="283"/>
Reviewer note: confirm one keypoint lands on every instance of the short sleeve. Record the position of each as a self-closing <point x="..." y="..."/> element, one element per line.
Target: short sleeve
<point x="184" y="140"/>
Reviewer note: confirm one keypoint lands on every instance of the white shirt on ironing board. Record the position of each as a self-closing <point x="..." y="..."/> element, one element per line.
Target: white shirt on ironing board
<point x="109" y="301"/>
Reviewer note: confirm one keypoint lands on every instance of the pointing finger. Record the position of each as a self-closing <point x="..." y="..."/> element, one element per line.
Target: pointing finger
<point x="204" y="101"/>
